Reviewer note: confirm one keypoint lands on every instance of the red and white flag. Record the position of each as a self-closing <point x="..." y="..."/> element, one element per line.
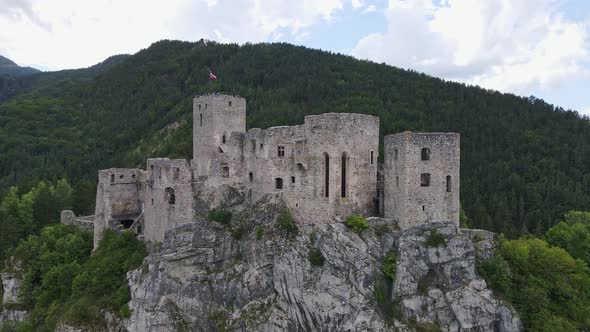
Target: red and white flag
<point x="212" y="77"/>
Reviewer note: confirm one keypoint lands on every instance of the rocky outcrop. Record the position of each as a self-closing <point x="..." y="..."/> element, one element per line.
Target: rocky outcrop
<point x="436" y="281"/>
<point x="253" y="276"/>
<point x="11" y="284"/>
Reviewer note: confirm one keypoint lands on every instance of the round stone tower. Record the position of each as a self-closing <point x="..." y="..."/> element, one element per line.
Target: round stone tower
<point x="215" y="117"/>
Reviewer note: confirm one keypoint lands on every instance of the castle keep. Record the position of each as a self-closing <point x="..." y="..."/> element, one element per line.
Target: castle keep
<point x="323" y="169"/>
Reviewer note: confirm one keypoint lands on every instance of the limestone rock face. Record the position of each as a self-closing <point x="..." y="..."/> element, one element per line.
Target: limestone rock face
<point x="251" y="276"/>
<point x="10" y="286"/>
<point x="439" y="283"/>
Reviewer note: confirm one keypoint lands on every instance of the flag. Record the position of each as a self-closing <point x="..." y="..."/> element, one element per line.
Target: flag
<point x="212" y="77"/>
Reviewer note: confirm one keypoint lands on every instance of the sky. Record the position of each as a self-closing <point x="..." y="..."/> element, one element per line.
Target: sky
<point x="525" y="47"/>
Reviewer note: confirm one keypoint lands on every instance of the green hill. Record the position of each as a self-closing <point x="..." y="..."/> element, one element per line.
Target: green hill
<point x="524" y="162"/>
<point x="8" y="67"/>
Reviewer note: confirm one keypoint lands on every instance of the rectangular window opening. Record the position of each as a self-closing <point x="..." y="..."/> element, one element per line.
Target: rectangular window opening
<point x="425" y="180"/>
<point x="281" y="151"/>
<point x="251" y="177"/>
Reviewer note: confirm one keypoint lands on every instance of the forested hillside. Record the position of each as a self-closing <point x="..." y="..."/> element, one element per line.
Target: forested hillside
<point x="524" y="162"/>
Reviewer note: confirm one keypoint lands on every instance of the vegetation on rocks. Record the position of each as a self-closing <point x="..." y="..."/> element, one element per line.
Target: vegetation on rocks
<point x="286" y="223"/>
<point x="356" y="223"/>
<point x="63" y="282"/>
<point x="221" y="216"/>
<point x="315" y="257"/>
<point x="389" y="265"/>
<point x="435" y="239"/>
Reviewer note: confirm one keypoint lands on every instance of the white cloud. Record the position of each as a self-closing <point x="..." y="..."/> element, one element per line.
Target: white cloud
<point x="585" y="111"/>
<point x="500" y="44"/>
<point x="369" y="9"/>
<point x="356" y="4"/>
<point x="69" y="33"/>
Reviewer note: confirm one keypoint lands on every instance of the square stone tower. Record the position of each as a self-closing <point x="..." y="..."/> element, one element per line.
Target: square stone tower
<point x="215" y="118"/>
<point x="422" y="178"/>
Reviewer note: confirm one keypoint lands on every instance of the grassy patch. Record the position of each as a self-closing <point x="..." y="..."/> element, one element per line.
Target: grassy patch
<point x="356" y="223"/>
<point x="286" y="223"/>
<point x="435" y="239"/>
<point x="221" y="216"/>
<point x="315" y="257"/>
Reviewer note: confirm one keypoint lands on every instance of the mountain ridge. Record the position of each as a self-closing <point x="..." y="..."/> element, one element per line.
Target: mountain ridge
<point x="525" y="162"/>
<point x="9" y="67"/>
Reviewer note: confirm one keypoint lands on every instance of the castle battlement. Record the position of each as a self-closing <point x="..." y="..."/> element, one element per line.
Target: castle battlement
<point x="323" y="169"/>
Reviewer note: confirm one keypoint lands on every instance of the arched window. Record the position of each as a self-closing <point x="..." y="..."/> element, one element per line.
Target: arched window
<point x="449" y="184"/>
<point x="169" y="196"/>
<point x="343" y="176"/>
<point x="425" y="154"/>
<point x="326" y="175"/>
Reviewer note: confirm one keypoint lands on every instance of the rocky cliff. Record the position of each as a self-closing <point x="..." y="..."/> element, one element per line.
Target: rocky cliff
<point x="251" y="275"/>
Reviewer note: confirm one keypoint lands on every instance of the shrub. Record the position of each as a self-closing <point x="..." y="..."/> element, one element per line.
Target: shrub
<point x="389" y="265"/>
<point x="316" y="258"/>
<point x="435" y="239"/>
<point x="221" y="216"/>
<point x="286" y="223"/>
<point x="496" y="271"/>
<point x="356" y="223"/>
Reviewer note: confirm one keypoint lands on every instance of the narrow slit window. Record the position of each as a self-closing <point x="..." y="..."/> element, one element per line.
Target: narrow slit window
<point x="230" y="103"/>
<point x="372" y="157"/>
<point x="223" y="139"/>
<point x="253" y="142"/>
<point x="395" y="154"/>
<point x="200" y="118"/>
<point x="397" y="181"/>
<point x="199" y="107"/>
<point x="251" y="177"/>
<point x="292" y="179"/>
<point x="326" y="175"/>
<point x="112" y="178"/>
<point x="449" y="184"/>
<point x="343" y="176"/>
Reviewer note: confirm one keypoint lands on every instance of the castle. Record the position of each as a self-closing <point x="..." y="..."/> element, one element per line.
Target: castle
<point x="323" y="169"/>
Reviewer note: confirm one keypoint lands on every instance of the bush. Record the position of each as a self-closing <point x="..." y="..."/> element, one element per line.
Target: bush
<point x="221" y="216"/>
<point x="316" y="258"/>
<point x="496" y="272"/>
<point x="389" y="265"/>
<point x="286" y="223"/>
<point x="356" y="223"/>
<point x="435" y="239"/>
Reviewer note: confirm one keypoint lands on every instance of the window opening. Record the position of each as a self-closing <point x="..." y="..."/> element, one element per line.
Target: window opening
<point x="425" y="154"/>
<point x="292" y="179"/>
<point x="169" y="196"/>
<point x="372" y="156"/>
<point x="327" y="175"/>
<point x="223" y="139"/>
<point x="395" y="154"/>
<point x="279" y="183"/>
<point x="230" y="103"/>
<point x="449" y="184"/>
<point x="112" y="178"/>
<point x="200" y="118"/>
<point x="225" y="171"/>
<point x="281" y="151"/>
<point x="343" y="176"/>
<point x="425" y="179"/>
<point x="251" y="177"/>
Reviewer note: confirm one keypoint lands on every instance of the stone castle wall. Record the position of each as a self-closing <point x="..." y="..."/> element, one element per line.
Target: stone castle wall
<point x="323" y="169"/>
<point x="420" y="191"/>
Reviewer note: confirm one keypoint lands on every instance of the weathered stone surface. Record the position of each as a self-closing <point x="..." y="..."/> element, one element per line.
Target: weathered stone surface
<point x="69" y="218"/>
<point x="202" y="278"/>
<point x="440" y="283"/>
<point x="10" y="286"/>
<point x="7" y="316"/>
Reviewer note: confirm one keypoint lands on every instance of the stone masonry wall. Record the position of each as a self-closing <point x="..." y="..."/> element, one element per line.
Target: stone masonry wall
<point x="406" y="198"/>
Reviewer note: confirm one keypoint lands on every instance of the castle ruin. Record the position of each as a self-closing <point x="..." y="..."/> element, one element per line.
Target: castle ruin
<point x="323" y="169"/>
